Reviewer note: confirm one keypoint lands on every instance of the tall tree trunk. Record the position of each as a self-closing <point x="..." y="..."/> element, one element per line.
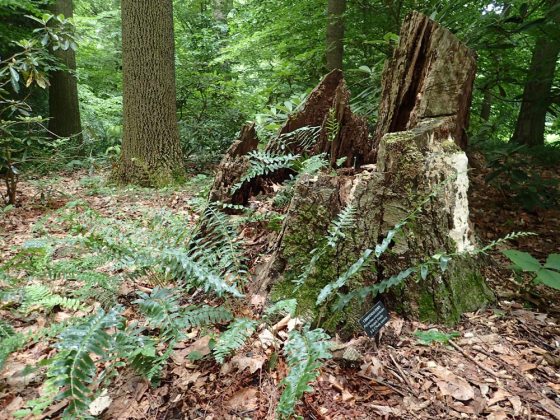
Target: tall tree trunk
<point x="64" y="107"/>
<point x="335" y="33"/>
<point x="151" y="151"/>
<point x="530" y="125"/>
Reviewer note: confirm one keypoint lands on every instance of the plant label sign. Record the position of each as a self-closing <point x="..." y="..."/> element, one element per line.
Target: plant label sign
<point x="375" y="319"/>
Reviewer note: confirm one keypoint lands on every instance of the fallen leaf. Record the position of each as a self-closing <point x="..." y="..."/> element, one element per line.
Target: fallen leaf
<point x="498" y="396"/>
<point x="516" y="404"/>
<point x="245" y="399"/>
<point x="453" y="385"/>
<point x="253" y="363"/>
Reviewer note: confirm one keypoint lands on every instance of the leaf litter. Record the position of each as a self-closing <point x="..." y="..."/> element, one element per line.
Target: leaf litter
<point x="498" y="363"/>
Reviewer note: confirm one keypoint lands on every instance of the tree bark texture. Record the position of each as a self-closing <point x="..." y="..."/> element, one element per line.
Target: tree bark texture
<point x="430" y="75"/>
<point x="64" y="107"/>
<point x="151" y="151"/>
<point x="335" y="34"/>
<point x="530" y="126"/>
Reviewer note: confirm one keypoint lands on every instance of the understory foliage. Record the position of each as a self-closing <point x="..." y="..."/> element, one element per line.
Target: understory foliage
<point x="84" y="269"/>
<point x="81" y="273"/>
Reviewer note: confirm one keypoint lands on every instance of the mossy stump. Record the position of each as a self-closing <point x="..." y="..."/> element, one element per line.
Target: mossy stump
<point x="411" y="166"/>
<point x="415" y="156"/>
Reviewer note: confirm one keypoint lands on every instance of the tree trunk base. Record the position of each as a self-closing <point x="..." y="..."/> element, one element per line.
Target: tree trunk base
<point x="135" y="172"/>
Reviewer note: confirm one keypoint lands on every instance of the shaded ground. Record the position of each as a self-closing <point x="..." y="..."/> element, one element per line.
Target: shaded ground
<point x="503" y="363"/>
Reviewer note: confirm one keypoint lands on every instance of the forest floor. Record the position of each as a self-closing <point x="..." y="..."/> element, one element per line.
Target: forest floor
<point x="502" y="362"/>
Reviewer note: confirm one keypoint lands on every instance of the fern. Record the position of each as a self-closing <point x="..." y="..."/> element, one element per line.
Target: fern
<point x="39" y="297"/>
<point x="283" y="307"/>
<point x="343" y="221"/>
<point x="303" y="138"/>
<point x="205" y="315"/>
<point x="219" y="239"/>
<point x="10" y="344"/>
<point x="355" y="268"/>
<point x="72" y="369"/>
<point x="336" y="232"/>
<point x="162" y="310"/>
<point x="237" y="333"/>
<point x="196" y="271"/>
<point x="308" y="167"/>
<point x="264" y="163"/>
<point x="381" y="287"/>
<point x="332" y="125"/>
<point x="6" y="330"/>
<point x="305" y="353"/>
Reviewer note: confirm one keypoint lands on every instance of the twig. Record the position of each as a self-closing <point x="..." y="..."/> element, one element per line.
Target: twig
<point x="387" y="384"/>
<point x="476" y="362"/>
<point x="402" y="374"/>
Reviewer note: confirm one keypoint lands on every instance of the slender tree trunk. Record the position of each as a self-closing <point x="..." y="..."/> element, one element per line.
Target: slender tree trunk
<point x="64" y="107"/>
<point x="221" y="9"/>
<point x="530" y="125"/>
<point x="151" y="151"/>
<point x="486" y="108"/>
<point x="335" y="33"/>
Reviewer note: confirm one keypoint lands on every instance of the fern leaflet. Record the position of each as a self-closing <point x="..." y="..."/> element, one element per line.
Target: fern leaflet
<point x="237" y="333"/>
<point x="305" y="352"/>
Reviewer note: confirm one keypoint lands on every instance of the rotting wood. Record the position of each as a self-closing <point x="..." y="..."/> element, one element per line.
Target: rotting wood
<point x="416" y="149"/>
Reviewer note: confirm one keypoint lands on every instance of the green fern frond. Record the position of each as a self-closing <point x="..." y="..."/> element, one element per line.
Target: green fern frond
<point x="343" y="221"/>
<point x="10" y="344"/>
<point x="305" y="353"/>
<point x="283" y="307"/>
<point x="73" y="369"/>
<point x="6" y="330"/>
<point x="195" y="272"/>
<point x="336" y="232"/>
<point x="332" y="125"/>
<point x="205" y="315"/>
<point x="264" y="163"/>
<point x="372" y="291"/>
<point x="40" y="297"/>
<point x="341" y="281"/>
<point x="237" y="333"/>
<point x="304" y="138"/>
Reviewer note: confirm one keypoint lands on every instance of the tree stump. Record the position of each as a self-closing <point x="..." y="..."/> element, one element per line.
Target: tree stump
<point x="415" y="155"/>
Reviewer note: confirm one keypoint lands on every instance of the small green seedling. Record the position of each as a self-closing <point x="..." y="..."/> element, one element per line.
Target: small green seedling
<point x="427" y="338"/>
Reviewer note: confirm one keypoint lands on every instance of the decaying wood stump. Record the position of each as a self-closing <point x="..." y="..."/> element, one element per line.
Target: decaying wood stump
<point x="233" y="166"/>
<point x="416" y="152"/>
<point x="431" y="75"/>
<point x="329" y="100"/>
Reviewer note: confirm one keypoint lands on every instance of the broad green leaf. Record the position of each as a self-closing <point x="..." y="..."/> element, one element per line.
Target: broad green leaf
<point x="424" y="272"/>
<point x="549" y="278"/>
<point x="553" y="261"/>
<point x="523" y="260"/>
<point x="443" y="263"/>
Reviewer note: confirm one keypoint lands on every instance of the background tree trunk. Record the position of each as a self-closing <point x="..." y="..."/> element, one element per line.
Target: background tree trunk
<point x="530" y="125"/>
<point x="64" y="107"/>
<point x="486" y="109"/>
<point x="221" y="9"/>
<point x="335" y="33"/>
<point x="151" y="151"/>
